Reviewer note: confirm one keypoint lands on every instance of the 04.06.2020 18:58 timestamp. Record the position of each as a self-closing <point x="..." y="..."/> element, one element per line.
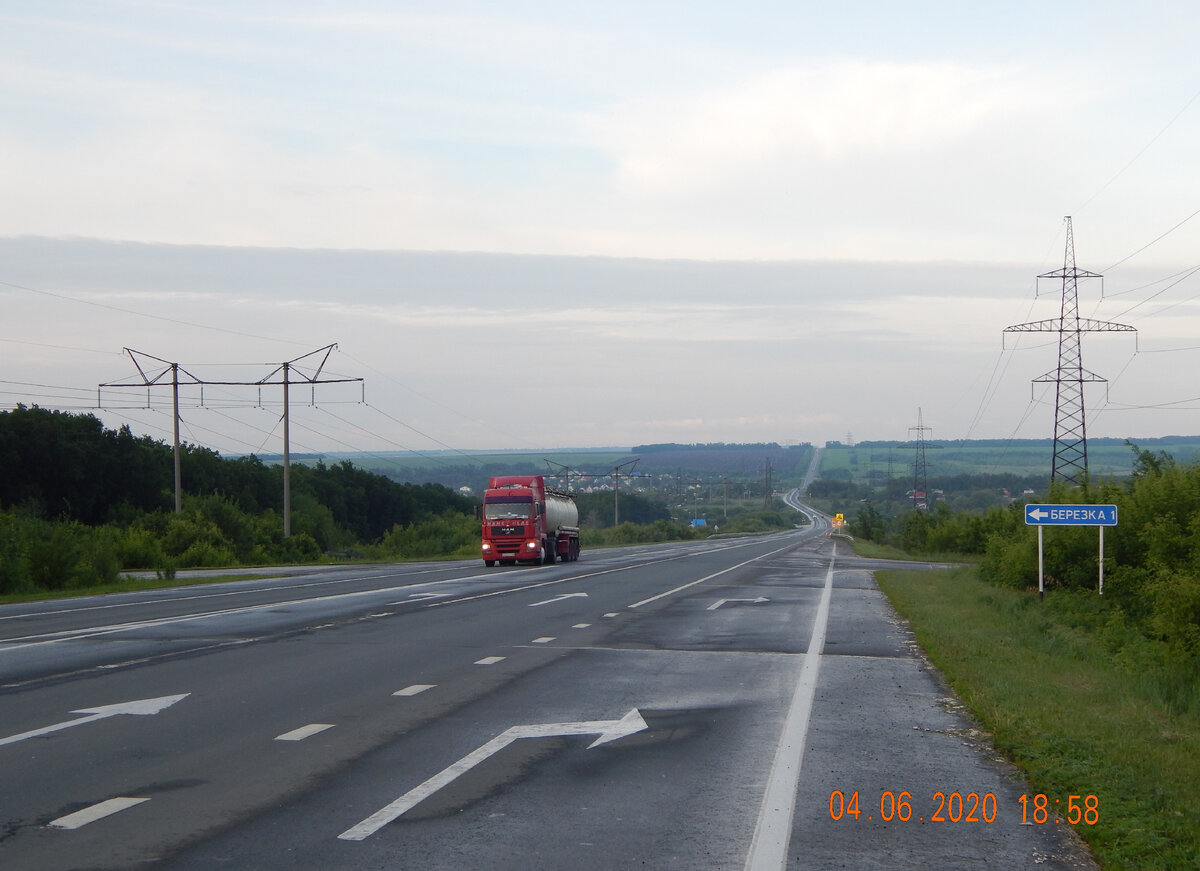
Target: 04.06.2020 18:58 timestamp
<point x="955" y="807"/>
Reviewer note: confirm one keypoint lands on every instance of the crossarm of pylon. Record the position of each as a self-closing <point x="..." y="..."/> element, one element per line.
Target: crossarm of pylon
<point x="1084" y="376"/>
<point x="1055" y="325"/>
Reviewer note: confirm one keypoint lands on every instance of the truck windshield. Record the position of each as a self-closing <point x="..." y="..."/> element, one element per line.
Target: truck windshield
<point x="507" y="510"/>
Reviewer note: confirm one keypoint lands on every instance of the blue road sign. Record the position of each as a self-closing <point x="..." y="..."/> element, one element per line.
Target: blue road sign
<point x="1071" y="515"/>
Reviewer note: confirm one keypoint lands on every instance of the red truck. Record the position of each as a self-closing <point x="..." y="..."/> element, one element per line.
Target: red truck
<point x="524" y="520"/>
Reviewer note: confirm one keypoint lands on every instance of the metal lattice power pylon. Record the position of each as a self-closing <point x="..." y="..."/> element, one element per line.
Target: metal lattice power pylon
<point x="920" y="471"/>
<point x="1070" y="463"/>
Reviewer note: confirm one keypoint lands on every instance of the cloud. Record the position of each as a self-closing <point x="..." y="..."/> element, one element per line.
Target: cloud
<point x="826" y="112"/>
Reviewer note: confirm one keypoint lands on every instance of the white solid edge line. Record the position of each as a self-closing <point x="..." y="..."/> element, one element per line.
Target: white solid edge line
<point x="768" y="850"/>
<point x="95" y="812"/>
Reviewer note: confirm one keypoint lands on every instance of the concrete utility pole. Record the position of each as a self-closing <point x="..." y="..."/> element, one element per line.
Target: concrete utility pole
<point x="148" y="382"/>
<point x="1070" y="464"/>
<point x="285" y="371"/>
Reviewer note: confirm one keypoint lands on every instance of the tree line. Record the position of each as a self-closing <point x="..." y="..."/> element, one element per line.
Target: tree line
<point x="80" y="502"/>
<point x="1149" y="615"/>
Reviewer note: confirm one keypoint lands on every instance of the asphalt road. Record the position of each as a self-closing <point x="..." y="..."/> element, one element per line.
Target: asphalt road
<point x="671" y="707"/>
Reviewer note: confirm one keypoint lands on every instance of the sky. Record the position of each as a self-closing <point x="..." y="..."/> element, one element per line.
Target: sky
<point x="533" y="226"/>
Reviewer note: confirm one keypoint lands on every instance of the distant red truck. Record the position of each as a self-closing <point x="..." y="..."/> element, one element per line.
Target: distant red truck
<point x="526" y="521"/>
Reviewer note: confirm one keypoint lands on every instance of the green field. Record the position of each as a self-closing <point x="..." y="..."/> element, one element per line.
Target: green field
<point x="875" y="461"/>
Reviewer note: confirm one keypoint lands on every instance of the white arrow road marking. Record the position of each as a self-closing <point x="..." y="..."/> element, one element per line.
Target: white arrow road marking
<point x="609" y="730"/>
<point x="420" y="597"/>
<point x="95" y="812"/>
<point x="558" y="598"/>
<point x="142" y="708"/>
<point x="304" y="732"/>
<point x="717" y="604"/>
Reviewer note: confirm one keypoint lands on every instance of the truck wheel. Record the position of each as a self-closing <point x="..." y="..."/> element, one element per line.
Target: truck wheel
<point x="548" y="555"/>
<point x="489" y="562"/>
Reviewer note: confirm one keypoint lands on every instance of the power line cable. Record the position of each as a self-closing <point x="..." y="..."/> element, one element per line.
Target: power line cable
<point x="1153" y="241"/>
<point x="1135" y="158"/>
<point x="142" y="314"/>
<point x="60" y="347"/>
<point x="432" y="401"/>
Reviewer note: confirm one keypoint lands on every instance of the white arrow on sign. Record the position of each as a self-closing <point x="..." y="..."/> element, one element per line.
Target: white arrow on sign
<point x="609" y="730"/>
<point x="1039" y="514"/>
<point x="141" y="708"/>
<point x="756" y="601"/>
<point x="561" y="598"/>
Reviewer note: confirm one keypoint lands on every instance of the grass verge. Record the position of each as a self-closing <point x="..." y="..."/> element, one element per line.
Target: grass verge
<point x="1076" y="720"/>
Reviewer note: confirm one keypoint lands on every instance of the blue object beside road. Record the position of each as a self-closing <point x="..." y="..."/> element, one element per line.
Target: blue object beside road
<point x="1071" y="515"/>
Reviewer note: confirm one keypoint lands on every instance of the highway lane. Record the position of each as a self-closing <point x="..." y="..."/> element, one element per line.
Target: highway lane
<point x="351" y="720"/>
<point x="56" y="635"/>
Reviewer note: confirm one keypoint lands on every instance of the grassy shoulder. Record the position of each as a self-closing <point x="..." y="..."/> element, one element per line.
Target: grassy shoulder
<point x="1041" y="678"/>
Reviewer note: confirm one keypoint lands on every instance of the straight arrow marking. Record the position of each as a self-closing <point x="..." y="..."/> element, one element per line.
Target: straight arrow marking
<point x="609" y="730"/>
<point x="141" y="708"/>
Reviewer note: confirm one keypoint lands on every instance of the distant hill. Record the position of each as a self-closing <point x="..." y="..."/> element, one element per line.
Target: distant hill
<point x="864" y="461"/>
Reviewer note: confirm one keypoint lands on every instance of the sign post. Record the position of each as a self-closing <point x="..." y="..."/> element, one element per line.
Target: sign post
<point x="1042" y="516"/>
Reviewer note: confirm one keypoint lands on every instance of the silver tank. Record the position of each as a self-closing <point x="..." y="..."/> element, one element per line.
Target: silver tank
<point x="561" y="511"/>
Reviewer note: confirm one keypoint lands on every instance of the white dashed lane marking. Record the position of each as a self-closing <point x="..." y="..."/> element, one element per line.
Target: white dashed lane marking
<point x="414" y="689"/>
<point x="95" y="812"/>
<point x="304" y="732"/>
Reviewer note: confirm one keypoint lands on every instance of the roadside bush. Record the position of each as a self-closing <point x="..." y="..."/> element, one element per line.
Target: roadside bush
<point x="99" y="563"/>
<point x="632" y="533"/>
<point x="68" y="555"/>
<point x="203" y="554"/>
<point x="1010" y="562"/>
<point x="192" y="532"/>
<point x="228" y="518"/>
<point x="55" y="549"/>
<point x="311" y="517"/>
<point x="448" y="534"/>
<point x="139" y="548"/>
<point x="1175" y="612"/>
<point x="300" y="548"/>
<point x="14" y="555"/>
